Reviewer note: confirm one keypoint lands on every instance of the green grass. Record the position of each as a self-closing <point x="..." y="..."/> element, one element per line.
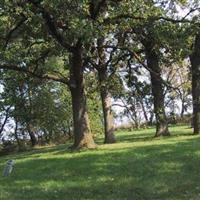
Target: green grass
<point x="137" y="167"/>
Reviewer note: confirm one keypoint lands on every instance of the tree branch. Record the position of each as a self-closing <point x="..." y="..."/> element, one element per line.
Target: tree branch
<point x="95" y="10"/>
<point x="150" y="18"/>
<point x="50" y="23"/>
<point x="45" y="76"/>
<point x="18" y="25"/>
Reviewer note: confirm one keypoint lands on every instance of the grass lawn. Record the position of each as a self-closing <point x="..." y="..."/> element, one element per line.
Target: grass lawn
<point x="137" y="167"/>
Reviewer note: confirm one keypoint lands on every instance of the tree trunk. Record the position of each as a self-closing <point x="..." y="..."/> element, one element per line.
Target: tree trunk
<point x="32" y="135"/>
<point x="134" y="113"/>
<point x="182" y="109"/>
<point x="144" y="111"/>
<point x="105" y="95"/>
<point x="195" y="62"/>
<point x="82" y="133"/>
<point x="30" y="127"/>
<point x="16" y="135"/>
<point x="69" y="133"/>
<point x="157" y="90"/>
<point x="151" y="118"/>
<point x="106" y="105"/>
<point x="5" y="120"/>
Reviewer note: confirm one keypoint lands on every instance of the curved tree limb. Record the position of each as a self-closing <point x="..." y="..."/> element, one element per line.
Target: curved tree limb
<point x="46" y="76"/>
<point x="11" y="32"/>
<point x="51" y="25"/>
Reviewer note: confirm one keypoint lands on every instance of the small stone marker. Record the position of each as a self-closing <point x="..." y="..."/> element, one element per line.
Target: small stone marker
<point x="8" y="168"/>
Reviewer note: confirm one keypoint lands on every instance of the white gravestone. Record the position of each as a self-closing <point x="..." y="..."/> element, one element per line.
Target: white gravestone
<point x="8" y="168"/>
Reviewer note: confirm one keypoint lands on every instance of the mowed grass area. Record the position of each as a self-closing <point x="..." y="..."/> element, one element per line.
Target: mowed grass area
<point x="137" y="167"/>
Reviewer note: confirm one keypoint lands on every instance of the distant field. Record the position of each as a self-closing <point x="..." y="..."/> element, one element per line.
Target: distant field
<point x="137" y="167"/>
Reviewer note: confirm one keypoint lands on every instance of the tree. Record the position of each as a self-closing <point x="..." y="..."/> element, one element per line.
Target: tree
<point x="51" y="27"/>
<point x="41" y="110"/>
<point x="36" y="30"/>
<point x="178" y="75"/>
<point x="94" y="103"/>
<point x="154" y="36"/>
<point x="103" y="74"/>
<point x="136" y="96"/>
<point x="45" y="17"/>
<point x="195" y="69"/>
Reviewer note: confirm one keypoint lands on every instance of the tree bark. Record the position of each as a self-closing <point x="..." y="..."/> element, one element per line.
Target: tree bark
<point x="32" y="135"/>
<point x="151" y="118"/>
<point x="105" y="95"/>
<point x="5" y="120"/>
<point x="144" y="111"/>
<point x="106" y="105"/>
<point x="134" y="113"/>
<point x="182" y="108"/>
<point x="16" y="135"/>
<point x="157" y="90"/>
<point x="195" y="63"/>
<point x="183" y="102"/>
<point x="82" y="132"/>
<point x="29" y="119"/>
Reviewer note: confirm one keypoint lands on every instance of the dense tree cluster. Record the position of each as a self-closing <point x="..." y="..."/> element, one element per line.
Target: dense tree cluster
<point x="66" y="64"/>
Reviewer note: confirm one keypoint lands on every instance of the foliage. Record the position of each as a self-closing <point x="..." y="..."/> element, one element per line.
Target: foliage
<point x="94" y="104"/>
<point x="40" y="37"/>
<point x="46" y="106"/>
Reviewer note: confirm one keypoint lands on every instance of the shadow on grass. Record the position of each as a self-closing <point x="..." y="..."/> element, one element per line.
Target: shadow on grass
<point x="169" y="171"/>
<point x="36" y="152"/>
